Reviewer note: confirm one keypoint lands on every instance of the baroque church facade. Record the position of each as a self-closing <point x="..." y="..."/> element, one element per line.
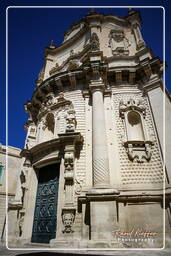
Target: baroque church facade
<point x="92" y="172"/>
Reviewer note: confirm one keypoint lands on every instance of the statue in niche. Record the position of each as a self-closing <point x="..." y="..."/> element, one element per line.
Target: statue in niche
<point x="94" y="41"/>
<point x="118" y="42"/>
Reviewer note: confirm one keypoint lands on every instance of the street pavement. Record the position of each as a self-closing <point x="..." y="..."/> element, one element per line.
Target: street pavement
<point x="5" y="252"/>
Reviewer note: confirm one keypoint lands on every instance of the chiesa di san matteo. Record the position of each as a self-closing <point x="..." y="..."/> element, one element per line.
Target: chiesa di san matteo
<point x="91" y="172"/>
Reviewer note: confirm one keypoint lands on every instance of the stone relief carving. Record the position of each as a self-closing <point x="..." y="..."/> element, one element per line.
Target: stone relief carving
<point x="70" y="120"/>
<point x="139" y="153"/>
<point x="94" y="42"/>
<point x="61" y="120"/>
<point x="53" y="103"/>
<point x="131" y="104"/>
<point x="78" y="186"/>
<point x="49" y="122"/>
<point x="69" y="161"/>
<point x="136" y="141"/>
<point x="68" y="217"/>
<point x="118" y="42"/>
<point x="72" y="65"/>
<point x="55" y="69"/>
<point x="21" y="222"/>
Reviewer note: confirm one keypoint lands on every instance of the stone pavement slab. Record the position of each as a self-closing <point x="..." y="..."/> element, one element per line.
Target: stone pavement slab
<point x="5" y="252"/>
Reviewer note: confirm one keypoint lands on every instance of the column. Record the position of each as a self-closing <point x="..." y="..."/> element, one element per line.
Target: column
<point x="100" y="156"/>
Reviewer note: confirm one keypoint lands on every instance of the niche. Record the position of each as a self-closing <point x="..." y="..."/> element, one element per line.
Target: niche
<point x="137" y="143"/>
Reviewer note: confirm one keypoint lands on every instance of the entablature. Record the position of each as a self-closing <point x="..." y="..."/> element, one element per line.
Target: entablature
<point x="141" y="73"/>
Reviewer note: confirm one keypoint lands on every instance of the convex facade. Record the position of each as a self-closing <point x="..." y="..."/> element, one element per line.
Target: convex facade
<point x="92" y="167"/>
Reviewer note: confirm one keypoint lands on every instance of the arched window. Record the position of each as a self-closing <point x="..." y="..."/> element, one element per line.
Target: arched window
<point x="135" y="128"/>
<point x="1" y="172"/>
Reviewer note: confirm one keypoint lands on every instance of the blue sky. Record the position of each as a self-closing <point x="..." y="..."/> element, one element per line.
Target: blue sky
<point x="30" y="30"/>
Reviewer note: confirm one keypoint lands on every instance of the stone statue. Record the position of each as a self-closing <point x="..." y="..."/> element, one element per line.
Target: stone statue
<point x="94" y="41"/>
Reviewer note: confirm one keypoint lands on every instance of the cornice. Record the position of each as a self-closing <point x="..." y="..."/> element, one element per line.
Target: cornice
<point x="86" y="21"/>
<point x="54" y="148"/>
<point x="66" y="43"/>
<point x="145" y="74"/>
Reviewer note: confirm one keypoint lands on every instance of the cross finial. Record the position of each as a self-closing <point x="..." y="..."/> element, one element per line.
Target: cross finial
<point x="92" y="11"/>
<point x="52" y="46"/>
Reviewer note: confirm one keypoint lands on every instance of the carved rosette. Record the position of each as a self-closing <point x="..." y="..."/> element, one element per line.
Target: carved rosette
<point x="68" y="217"/>
<point x="136" y="140"/>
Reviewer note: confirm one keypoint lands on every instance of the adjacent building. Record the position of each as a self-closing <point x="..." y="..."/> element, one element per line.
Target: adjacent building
<point x="10" y="160"/>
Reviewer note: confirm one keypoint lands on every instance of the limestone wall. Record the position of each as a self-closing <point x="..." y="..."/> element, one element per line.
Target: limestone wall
<point x="14" y="165"/>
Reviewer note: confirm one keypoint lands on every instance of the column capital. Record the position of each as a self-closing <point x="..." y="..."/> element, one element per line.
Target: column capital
<point x="96" y="85"/>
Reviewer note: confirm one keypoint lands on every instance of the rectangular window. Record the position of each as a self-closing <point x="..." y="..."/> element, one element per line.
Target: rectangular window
<point x="1" y="172"/>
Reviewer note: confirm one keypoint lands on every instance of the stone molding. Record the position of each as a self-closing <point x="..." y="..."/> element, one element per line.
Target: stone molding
<point x="144" y="73"/>
<point x="50" y="146"/>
